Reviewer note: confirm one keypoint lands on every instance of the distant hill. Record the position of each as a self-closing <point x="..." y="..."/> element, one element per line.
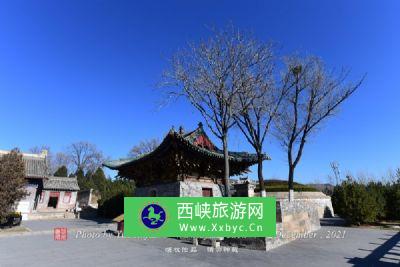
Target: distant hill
<point x="277" y="185"/>
<point x="326" y="188"/>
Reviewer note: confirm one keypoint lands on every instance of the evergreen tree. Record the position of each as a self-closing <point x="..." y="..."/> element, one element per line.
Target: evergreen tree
<point x="83" y="181"/>
<point x="61" y="172"/>
<point x="111" y="203"/>
<point x="99" y="180"/>
<point x="12" y="181"/>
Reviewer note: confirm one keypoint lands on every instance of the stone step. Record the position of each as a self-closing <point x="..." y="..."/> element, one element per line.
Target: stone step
<point x="50" y="215"/>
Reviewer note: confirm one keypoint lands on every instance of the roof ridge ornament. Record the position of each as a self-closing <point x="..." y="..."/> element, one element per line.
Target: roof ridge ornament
<point x="181" y="130"/>
<point x="172" y="130"/>
<point x="200" y="125"/>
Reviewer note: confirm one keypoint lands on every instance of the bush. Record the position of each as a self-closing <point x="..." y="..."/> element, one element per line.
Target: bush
<point x="352" y="201"/>
<point x="377" y="191"/>
<point x="12" y="181"/>
<point x="112" y="192"/>
<point x="393" y="201"/>
<point x="12" y="219"/>
<point x="112" y="207"/>
<point x="111" y="203"/>
<point x="367" y="203"/>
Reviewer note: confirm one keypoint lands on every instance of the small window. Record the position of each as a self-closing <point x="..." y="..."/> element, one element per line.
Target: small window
<point x="207" y="192"/>
<point x="67" y="197"/>
<point x="153" y="193"/>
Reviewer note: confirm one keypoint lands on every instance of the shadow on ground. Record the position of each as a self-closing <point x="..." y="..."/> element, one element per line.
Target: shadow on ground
<point x="386" y="254"/>
<point x="90" y="214"/>
<point x="333" y="221"/>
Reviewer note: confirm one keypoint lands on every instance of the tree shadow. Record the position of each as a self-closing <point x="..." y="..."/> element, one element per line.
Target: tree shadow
<point x="333" y="221"/>
<point x="90" y="214"/>
<point x="327" y="213"/>
<point x="381" y="255"/>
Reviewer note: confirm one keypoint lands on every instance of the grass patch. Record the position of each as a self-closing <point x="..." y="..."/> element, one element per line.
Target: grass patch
<point x="282" y="186"/>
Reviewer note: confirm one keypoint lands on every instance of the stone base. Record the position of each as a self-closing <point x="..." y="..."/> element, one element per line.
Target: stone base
<point x="179" y="189"/>
<point x="318" y="199"/>
<point x="298" y="219"/>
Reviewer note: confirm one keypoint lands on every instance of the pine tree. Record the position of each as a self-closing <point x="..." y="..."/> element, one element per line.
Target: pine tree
<point x="83" y="180"/>
<point x="99" y="180"/>
<point x="12" y="181"/>
<point x="61" y="172"/>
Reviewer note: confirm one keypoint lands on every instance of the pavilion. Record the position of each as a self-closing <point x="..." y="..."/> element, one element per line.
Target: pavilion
<point x="184" y="164"/>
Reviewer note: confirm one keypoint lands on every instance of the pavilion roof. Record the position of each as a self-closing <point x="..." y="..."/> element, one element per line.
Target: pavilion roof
<point x="196" y="141"/>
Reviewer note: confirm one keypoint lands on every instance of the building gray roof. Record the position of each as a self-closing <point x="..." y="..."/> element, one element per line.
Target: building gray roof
<point x="61" y="183"/>
<point x="35" y="164"/>
<point x="35" y="167"/>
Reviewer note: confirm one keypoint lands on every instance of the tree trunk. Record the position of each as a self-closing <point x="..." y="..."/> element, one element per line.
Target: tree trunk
<point x="290" y="182"/>
<point x="260" y="174"/>
<point x="226" y="163"/>
<point x="290" y="177"/>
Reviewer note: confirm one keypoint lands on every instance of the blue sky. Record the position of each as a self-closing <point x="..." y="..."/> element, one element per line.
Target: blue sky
<point x="86" y="70"/>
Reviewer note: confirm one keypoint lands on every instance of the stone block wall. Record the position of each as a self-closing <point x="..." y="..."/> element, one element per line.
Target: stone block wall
<point x="194" y="189"/>
<point x="298" y="219"/>
<point x="88" y="198"/>
<point x="299" y="216"/>
<point x="179" y="189"/>
<point x="160" y="190"/>
<point x="321" y="201"/>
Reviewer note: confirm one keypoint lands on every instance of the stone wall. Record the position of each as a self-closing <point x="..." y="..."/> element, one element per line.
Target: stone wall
<point x="321" y="201"/>
<point x="194" y="188"/>
<point x="179" y="189"/>
<point x="298" y="219"/>
<point x="299" y="216"/>
<point x="88" y="198"/>
<point x="160" y="190"/>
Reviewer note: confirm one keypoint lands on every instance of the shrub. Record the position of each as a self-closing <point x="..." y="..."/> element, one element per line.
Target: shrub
<point x="393" y="201"/>
<point x="112" y="207"/>
<point x="377" y="192"/>
<point x="12" y="181"/>
<point x="111" y="203"/>
<point x="364" y="203"/>
<point x="352" y="201"/>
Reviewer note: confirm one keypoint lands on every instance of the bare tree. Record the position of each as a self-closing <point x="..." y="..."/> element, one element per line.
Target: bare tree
<point x="314" y="95"/>
<point x="259" y="101"/>
<point x="336" y="171"/>
<point x="84" y="156"/>
<point x="210" y="75"/>
<point x="61" y="159"/>
<point x="144" y="147"/>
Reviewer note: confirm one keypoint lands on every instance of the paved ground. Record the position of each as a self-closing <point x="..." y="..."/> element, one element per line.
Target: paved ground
<point x="359" y="247"/>
<point x="43" y="225"/>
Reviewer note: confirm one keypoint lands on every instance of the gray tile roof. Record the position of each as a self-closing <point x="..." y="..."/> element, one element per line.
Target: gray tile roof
<point x="61" y="183"/>
<point x="35" y="164"/>
<point x="189" y="141"/>
<point x="35" y="167"/>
